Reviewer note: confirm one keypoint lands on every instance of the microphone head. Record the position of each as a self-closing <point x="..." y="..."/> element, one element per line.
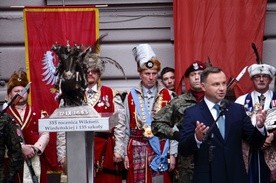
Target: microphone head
<point x="223" y="104"/>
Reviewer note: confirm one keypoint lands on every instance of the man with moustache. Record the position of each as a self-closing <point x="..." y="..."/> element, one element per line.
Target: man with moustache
<point x="108" y="146"/>
<point x="261" y="166"/>
<point x="26" y="117"/>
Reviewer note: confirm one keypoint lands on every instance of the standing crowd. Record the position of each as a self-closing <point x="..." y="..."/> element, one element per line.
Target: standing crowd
<point x="160" y="137"/>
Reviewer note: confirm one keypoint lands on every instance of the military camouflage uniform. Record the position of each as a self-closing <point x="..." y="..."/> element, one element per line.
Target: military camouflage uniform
<point x="167" y="121"/>
<point x="11" y="139"/>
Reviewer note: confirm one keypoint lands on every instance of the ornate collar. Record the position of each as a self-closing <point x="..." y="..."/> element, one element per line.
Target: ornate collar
<point x="23" y="122"/>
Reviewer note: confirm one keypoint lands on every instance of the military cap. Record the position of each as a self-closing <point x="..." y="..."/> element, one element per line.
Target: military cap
<point x="195" y="66"/>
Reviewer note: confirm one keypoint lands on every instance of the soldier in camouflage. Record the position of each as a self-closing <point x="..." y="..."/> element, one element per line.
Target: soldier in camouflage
<point x="168" y="121"/>
<point x="9" y="138"/>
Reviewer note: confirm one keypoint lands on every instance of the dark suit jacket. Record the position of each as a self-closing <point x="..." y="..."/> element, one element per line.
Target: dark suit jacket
<point x="227" y="165"/>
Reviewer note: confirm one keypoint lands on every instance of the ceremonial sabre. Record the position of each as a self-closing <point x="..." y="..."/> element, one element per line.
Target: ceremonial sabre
<point x="21" y="94"/>
<point x="235" y="81"/>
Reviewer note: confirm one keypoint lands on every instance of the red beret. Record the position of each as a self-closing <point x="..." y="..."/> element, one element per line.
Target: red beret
<point x="195" y="66"/>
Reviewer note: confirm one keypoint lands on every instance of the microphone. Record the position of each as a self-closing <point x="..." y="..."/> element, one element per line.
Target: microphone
<point x="223" y="106"/>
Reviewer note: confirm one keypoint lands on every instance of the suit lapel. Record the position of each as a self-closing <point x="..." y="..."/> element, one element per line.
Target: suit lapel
<point x="206" y="114"/>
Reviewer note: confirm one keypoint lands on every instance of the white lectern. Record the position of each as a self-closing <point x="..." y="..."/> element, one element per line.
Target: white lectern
<point x="79" y="123"/>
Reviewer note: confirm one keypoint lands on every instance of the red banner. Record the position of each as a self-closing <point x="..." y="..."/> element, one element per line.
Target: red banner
<point x="45" y="27"/>
<point x="221" y="30"/>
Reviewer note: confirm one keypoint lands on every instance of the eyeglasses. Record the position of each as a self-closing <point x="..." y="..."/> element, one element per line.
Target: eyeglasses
<point x="91" y="71"/>
<point x="261" y="76"/>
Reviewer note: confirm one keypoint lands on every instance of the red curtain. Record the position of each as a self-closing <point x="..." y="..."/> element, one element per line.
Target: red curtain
<point x="221" y="30"/>
<point x="45" y="26"/>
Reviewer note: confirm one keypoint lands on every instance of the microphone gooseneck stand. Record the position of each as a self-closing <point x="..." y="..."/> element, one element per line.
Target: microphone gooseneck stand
<point x="209" y="136"/>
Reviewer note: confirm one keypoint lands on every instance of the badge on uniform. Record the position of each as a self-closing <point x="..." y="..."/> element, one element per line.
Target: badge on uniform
<point x="106" y="101"/>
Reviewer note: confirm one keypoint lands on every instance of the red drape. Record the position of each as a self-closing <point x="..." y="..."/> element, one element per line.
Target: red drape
<point x="45" y="26"/>
<point x="222" y="30"/>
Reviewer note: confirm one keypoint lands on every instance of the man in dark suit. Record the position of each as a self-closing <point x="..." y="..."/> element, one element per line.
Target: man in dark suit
<point x="218" y="155"/>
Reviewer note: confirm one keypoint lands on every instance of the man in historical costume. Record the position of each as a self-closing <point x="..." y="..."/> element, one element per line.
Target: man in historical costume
<point x="27" y="117"/>
<point x="261" y="167"/>
<point x="10" y="139"/>
<point x="146" y="155"/>
<point x="167" y="121"/>
<point x="108" y="146"/>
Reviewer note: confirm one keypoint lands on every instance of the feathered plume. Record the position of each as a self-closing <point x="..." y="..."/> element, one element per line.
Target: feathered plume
<point x="258" y="59"/>
<point x="208" y="62"/>
<point x="93" y="59"/>
<point x="114" y="62"/>
<point x="96" y="48"/>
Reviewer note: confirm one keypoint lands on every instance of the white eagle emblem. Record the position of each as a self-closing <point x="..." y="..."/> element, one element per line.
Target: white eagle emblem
<point x="49" y="75"/>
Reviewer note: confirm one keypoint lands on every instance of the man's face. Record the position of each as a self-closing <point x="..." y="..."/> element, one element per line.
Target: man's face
<point x="16" y="90"/>
<point x="261" y="82"/>
<point x="194" y="80"/>
<point x="92" y="76"/>
<point x="148" y="77"/>
<point x="168" y="80"/>
<point x="215" y="87"/>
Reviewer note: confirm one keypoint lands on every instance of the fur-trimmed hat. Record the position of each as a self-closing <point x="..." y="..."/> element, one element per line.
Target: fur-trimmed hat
<point x="145" y="58"/>
<point x="94" y="62"/>
<point x="261" y="69"/>
<point x="18" y="78"/>
<point x="195" y="66"/>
